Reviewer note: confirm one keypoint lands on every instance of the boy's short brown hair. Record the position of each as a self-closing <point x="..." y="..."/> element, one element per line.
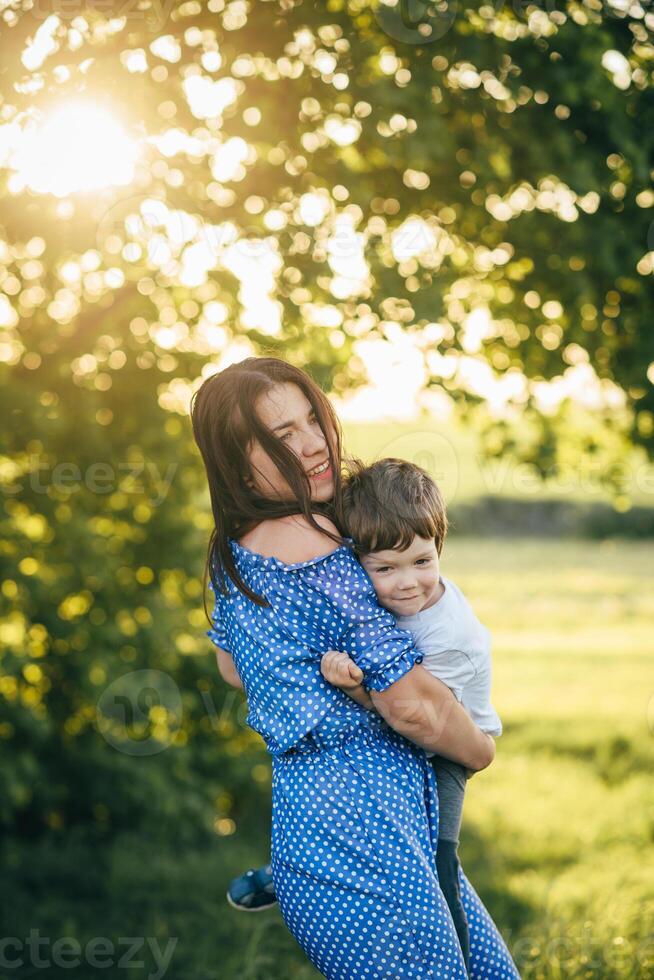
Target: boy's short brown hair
<point x="388" y="503"/>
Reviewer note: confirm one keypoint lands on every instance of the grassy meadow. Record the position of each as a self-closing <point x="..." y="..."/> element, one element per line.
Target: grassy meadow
<point x="557" y="835"/>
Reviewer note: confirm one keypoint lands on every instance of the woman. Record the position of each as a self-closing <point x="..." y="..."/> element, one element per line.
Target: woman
<point x="355" y="810"/>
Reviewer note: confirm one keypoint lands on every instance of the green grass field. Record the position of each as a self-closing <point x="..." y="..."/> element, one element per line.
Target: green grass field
<point x="557" y="834"/>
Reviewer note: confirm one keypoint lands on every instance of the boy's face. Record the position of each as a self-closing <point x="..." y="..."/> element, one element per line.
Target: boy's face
<point x="405" y="581"/>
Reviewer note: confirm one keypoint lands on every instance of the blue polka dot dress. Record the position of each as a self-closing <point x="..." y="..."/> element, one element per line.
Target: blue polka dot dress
<point x="355" y="806"/>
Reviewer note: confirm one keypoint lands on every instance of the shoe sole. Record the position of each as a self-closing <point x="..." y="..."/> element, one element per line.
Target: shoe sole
<point x="242" y="908"/>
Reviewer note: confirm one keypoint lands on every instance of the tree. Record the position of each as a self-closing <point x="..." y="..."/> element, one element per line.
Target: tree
<point x="317" y="173"/>
<point x="294" y="177"/>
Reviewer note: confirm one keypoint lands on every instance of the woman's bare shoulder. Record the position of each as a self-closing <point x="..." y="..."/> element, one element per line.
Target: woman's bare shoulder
<point x="291" y="539"/>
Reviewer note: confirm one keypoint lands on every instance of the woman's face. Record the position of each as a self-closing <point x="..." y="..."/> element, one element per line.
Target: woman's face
<point x="287" y="412"/>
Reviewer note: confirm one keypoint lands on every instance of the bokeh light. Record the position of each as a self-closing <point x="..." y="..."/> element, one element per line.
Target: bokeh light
<point x="78" y="147"/>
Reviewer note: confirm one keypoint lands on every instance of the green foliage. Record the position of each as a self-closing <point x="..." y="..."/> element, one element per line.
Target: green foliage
<point x="500" y="163"/>
<point x="103" y="530"/>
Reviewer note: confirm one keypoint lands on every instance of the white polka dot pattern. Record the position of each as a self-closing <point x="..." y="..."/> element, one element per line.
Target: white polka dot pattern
<point x="355" y="806"/>
<point x="327" y="603"/>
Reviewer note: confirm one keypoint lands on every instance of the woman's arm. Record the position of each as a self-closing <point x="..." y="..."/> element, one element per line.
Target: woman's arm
<point x="411" y="712"/>
<point x="423" y="709"/>
<point x="227" y="669"/>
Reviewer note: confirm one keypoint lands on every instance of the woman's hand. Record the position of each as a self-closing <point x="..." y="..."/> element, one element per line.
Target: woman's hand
<point x="340" y="670"/>
<point x="227" y="669"/>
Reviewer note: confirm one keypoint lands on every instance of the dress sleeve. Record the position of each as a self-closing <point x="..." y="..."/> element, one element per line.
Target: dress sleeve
<point x="336" y="608"/>
<point x="217" y="633"/>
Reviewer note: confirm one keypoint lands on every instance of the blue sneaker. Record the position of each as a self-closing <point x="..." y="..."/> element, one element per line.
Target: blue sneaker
<point x="252" y="892"/>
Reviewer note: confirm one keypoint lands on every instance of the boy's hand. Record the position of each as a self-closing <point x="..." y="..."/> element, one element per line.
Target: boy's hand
<point x="340" y="670"/>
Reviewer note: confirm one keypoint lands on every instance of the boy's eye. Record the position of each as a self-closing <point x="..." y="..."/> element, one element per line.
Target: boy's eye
<point x="383" y="568"/>
<point x="423" y="561"/>
<point x="286" y="436"/>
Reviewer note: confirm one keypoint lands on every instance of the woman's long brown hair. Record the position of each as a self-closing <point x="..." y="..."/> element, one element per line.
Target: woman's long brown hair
<point x="225" y="424"/>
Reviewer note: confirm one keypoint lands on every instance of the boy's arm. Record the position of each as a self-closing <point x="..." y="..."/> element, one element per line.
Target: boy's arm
<point x="360" y="695"/>
<point x="340" y="670"/>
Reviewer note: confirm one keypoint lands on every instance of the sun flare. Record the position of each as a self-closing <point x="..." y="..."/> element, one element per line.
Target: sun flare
<point x="75" y="149"/>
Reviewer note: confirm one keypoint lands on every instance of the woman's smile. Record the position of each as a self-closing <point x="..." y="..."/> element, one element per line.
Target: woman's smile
<point x="321" y="472"/>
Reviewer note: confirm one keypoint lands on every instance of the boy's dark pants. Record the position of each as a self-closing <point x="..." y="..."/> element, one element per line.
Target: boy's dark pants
<point x="451" y="779"/>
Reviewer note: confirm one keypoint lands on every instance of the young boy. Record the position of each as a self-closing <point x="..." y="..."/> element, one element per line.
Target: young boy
<point x="396" y="517"/>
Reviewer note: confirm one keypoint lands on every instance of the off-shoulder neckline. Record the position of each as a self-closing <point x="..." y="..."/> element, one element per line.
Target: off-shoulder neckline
<point x="255" y="556"/>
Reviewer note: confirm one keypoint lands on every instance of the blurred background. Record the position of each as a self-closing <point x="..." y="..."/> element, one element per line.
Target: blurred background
<point x="445" y="213"/>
